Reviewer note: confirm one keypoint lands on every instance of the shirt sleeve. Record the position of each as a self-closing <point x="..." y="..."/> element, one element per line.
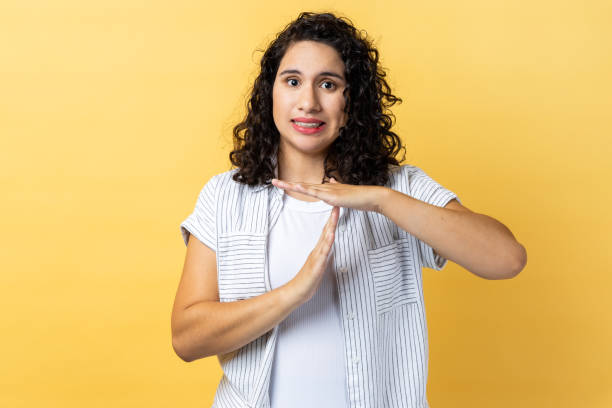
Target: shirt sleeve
<point x="202" y="221"/>
<point x="424" y="188"/>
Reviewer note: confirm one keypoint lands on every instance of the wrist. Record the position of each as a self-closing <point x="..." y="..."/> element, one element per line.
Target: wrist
<point x="382" y="199"/>
<point x="291" y="296"/>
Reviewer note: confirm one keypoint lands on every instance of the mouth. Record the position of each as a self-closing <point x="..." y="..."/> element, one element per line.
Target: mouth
<point x="308" y="124"/>
<point x="308" y="127"/>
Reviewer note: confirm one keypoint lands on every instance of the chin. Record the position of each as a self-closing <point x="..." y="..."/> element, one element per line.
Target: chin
<point x="309" y="148"/>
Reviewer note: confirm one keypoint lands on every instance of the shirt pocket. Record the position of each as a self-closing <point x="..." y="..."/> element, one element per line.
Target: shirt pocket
<point x="240" y="265"/>
<point x="395" y="281"/>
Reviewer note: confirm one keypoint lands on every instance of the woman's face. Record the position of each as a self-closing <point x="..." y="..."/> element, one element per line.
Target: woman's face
<point x="307" y="91"/>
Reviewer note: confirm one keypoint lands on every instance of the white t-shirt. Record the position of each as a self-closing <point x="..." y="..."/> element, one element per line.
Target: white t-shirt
<point x="308" y="368"/>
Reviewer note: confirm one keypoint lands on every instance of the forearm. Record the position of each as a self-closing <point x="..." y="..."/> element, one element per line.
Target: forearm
<point x="209" y="328"/>
<point x="479" y="243"/>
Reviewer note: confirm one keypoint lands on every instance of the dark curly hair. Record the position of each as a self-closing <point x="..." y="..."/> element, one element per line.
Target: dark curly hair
<point x="362" y="157"/>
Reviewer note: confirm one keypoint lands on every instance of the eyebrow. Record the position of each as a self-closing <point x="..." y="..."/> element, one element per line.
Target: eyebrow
<point x="324" y="73"/>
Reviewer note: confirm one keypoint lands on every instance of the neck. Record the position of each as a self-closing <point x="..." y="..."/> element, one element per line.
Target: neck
<point x="300" y="168"/>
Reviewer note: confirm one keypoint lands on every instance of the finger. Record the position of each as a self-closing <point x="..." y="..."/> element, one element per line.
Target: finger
<point x="329" y="229"/>
<point x="333" y="222"/>
<point x="310" y="189"/>
<point x="328" y="242"/>
<point x="333" y="180"/>
<point x="326" y="229"/>
<point x="333" y="217"/>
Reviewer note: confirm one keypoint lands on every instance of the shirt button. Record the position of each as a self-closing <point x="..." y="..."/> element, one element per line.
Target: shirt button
<point x="343" y="270"/>
<point x="356" y="360"/>
<point x="342" y="228"/>
<point x="351" y="316"/>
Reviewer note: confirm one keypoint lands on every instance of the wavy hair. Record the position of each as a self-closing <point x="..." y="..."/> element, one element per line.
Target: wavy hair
<point x="365" y="146"/>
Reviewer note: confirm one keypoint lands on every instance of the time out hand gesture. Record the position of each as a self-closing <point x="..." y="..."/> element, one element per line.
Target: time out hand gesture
<point x="366" y="198"/>
<point x="308" y="279"/>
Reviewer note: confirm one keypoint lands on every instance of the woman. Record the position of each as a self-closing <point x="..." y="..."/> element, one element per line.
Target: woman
<point x="303" y="265"/>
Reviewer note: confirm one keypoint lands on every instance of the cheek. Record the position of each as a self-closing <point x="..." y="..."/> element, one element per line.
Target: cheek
<point x="274" y="97"/>
<point x="279" y="100"/>
<point x="276" y="105"/>
<point x="339" y="109"/>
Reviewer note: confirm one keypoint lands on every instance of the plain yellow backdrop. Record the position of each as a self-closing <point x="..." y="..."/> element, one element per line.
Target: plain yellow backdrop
<point x="113" y="115"/>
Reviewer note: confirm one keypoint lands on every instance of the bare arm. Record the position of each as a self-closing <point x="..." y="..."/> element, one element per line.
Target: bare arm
<point x="209" y="328"/>
<point x="202" y="326"/>
<point x="479" y="243"/>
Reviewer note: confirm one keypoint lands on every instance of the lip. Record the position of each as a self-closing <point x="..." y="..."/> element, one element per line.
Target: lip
<point x="307" y="120"/>
<point x="308" y="131"/>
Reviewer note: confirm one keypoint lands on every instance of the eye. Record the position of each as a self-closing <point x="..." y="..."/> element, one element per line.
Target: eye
<point x="332" y="85"/>
<point x="289" y="81"/>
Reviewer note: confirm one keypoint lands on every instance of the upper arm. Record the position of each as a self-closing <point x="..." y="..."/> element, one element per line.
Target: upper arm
<point x="419" y="185"/>
<point x="454" y="205"/>
<point x="199" y="278"/>
<point x="199" y="231"/>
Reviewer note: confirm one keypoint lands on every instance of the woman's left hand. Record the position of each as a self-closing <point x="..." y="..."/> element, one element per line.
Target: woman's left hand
<point x="365" y="198"/>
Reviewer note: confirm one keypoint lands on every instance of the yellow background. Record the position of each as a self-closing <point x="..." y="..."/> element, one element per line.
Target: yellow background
<point x="113" y="115"/>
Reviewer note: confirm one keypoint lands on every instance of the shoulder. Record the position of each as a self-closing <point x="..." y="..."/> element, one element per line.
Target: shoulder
<point x="415" y="182"/>
<point x="225" y="184"/>
<point x="402" y="174"/>
<point x="212" y="185"/>
<point x="225" y="177"/>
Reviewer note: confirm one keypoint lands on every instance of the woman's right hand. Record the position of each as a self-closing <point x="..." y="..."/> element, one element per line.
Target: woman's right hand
<point x="308" y="279"/>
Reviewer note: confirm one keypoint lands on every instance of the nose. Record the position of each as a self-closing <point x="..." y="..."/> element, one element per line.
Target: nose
<point x="309" y="100"/>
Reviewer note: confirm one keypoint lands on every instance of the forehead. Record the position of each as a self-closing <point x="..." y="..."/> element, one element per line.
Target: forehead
<point x="311" y="56"/>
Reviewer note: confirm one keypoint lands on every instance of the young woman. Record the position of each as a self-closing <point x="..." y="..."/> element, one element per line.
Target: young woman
<point x="303" y="264"/>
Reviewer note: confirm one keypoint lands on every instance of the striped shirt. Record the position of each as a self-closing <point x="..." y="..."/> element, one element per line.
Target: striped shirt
<point x="378" y="271"/>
